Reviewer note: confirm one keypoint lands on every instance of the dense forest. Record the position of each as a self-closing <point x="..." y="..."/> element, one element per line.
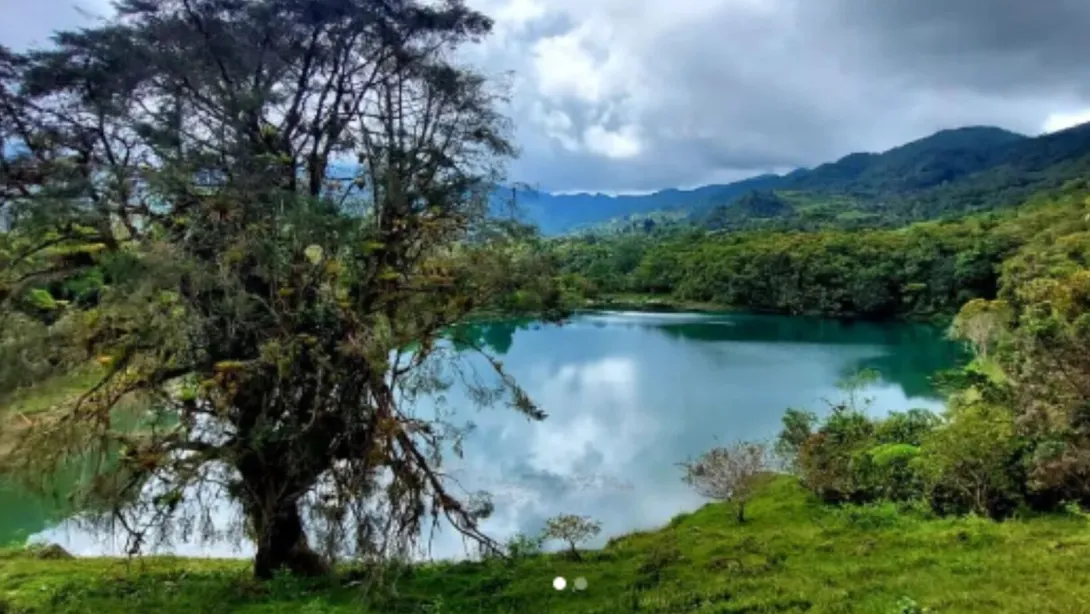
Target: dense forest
<point x="923" y="269"/>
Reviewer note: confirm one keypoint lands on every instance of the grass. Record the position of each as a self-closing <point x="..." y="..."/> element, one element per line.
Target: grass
<point x="793" y="555"/>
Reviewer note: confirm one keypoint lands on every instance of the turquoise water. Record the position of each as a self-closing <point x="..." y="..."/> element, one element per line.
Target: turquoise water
<point x="628" y="395"/>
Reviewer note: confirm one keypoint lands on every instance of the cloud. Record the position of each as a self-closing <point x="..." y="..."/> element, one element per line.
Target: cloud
<point x="656" y="93"/>
<point x="629" y="95"/>
<point x="1062" y="121"/>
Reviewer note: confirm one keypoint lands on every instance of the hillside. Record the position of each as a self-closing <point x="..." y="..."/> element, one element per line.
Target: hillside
<point x="944" y="156"/>
<point x="793" y="555"/>
<point x="559" y="213"/>
<point x="951" y="172"/>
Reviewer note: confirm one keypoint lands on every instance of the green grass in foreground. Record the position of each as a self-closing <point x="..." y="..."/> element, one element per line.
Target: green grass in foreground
<point x="795" y="555"/>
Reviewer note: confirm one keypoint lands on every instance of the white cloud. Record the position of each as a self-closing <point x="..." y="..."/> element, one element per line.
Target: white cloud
<point x="566" y="68"/>
<point x="697" y="90"/>
<point x="623" y="143"/>
<point x="517" y="13"/>
<point x="609" y="386"/>
<point x="1062" y="121"/>
<point x="634" y="95"/>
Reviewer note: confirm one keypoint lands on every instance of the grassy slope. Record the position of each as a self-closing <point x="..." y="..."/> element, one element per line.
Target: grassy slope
<point x="793" y="556"/>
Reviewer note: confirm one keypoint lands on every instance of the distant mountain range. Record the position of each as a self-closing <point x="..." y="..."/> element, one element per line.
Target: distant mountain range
<point x="951" y="172"/>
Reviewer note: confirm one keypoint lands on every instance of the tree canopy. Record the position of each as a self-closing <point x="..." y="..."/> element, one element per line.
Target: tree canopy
<point x="262" y="220"/>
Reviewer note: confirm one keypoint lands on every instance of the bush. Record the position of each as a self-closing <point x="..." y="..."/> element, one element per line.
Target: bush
<point x="832" y="461"/>
<point x="798" y="426"/>
<point x="894" y="474"/>
<point x="851" y="458"/>
<point x="908" y="427"/>
<point x="521" y="545"/>
<point x="974" y="463"/>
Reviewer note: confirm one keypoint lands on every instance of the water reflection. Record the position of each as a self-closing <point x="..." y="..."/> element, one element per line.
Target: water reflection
<point x="630" y="395"/>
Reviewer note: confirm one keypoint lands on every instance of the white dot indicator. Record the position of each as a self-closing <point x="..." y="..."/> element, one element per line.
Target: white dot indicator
<point x="559" y="583"/>
<point x="580" y="584"/>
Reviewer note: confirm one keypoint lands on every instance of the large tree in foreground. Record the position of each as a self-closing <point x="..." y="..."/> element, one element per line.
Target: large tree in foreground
<point x="277" y="313"/>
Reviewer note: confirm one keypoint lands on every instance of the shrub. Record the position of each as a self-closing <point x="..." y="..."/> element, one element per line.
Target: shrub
<point x="908" y="427"/>
<point x="974" y="463"/>
<point x="894" y="473"/>
<point x="521" y="545"/>
<point x="833" y="462"/>
<point x="798" y="426"/>
<point x="853" y="458"/>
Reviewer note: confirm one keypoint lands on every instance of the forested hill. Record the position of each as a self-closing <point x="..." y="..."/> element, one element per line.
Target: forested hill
<point x="560" y="213"/>
<point x="951" y="172"/>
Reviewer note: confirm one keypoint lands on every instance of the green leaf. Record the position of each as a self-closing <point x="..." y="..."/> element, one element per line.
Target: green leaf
<point x="42" y="299"/>
<point x="313" y="253"/>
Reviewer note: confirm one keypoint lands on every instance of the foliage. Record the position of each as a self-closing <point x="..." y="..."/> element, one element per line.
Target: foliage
<point x="1015" y="432"/>
<point x="795" y="555"/>
<point x="521" y="545"/>
<point x="798" y="426"/>
<point x="973" y="462"/>
<point x="571" y="529"/>
<point x="173" y="212"/>
<point x="849" y="457"/>
<point x="921" y="270"/>
<point x="731" y="473"/>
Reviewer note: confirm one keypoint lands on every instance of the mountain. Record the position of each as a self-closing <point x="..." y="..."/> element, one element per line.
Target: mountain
<point x="950" y="172"/>
<point x="559" y="213"/>
<point x="747" y="210"/>
<point x="943" y="156"/>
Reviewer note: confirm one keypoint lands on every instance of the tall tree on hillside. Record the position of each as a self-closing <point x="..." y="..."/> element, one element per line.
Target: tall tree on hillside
<point x="277" y="310"/>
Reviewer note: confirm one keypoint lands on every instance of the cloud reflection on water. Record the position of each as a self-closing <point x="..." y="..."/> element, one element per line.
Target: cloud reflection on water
<point x="629" y="396"/>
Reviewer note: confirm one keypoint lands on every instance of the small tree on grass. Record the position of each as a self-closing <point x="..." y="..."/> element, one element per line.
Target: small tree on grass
<point x="571" y="529"/>
<point x="729" y="473"/>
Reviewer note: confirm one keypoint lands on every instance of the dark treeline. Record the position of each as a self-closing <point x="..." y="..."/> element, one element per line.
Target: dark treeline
<point x="923" y="269"/>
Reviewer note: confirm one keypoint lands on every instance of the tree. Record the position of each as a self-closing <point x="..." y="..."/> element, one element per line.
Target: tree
<point x="979" y="322"/>
<point x="798" y="428"/>
<point x="729" y="473"/>
<point x="287" y="202"/>
<point x="572" y="529"/>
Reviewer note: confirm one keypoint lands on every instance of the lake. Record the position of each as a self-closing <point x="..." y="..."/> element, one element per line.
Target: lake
<point x="629" y="395"/>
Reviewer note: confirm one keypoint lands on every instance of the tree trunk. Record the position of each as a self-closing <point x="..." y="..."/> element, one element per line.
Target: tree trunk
<point x="282" y="544"/>
<point x="741" y="512"/>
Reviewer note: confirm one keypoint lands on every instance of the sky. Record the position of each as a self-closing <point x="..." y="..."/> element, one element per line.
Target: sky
<point x="636" y="95"/>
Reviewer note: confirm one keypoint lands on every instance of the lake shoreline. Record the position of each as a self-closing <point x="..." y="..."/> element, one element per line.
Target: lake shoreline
<point x="604" y="364"/>
<point x="792" y="554"/>
<point x="664" y="303"/>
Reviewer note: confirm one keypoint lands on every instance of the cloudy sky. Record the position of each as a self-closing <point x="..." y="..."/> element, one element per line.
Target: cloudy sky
<point x="635" y="95"/>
